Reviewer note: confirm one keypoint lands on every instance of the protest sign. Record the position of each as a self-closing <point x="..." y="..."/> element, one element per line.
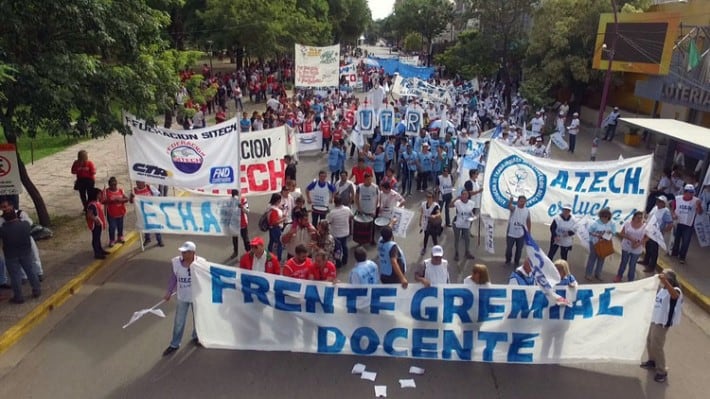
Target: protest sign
<point x="702" y="229"/>
<point x="413" y="120"/>
<point x="10" y="183"/>
<point x="366" y="120"/>
<point x="312" y="141"/>
<point x="386" y="120"/>
<point x="213" y="216"/>
<point x="403" y="218"/>
<point x="317" y="66"/>
<point x="620" y="185"/>
<point x="242" y="309"/>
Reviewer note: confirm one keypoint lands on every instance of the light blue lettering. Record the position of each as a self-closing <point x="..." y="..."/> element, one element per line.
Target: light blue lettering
<point x="582" y="177"/>
<point x="519" y="304"/>
<point x="163" y="206"/>
<point x="351" y="295"/>
<point x="491" y="339"/>
<point x="219" y="285"/>
<point x="560" y="180"/>
<point x="582" y="305"/>
<point x="521" y="341"/>
<point x="450" y="307"/>
<point x="431" y="313"/>
<point x="605" y="302"/>
<point x="312" y="297"/>
<point x="463" y="348"/>
<point x="632" y="183"/>
<point x="598" y="180"/>
<point x="485" y="308"/>
<point x="281" y="287"/>
<point x="185" y="211"/>
<point x="376" y="303"/>
<point x="413" y="120"/>
<point x="209" y="220"/>
<point x="255" y="285"/>
<point x="422" y="348"/>
<point x="338" y="342"/>
<point x="386" y="118"/>
<point x="147" y="224"/>
<point x="372" y="341"/>
<point x="391" y="336"/>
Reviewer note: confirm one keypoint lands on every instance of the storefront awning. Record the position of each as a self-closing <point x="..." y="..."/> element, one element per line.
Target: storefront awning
<point x="678" y="130"/>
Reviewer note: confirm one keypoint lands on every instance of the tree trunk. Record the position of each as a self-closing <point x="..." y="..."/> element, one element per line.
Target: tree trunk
<point x="40" y="206"/>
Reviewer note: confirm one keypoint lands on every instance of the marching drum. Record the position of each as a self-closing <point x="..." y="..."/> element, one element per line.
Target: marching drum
<point x="319" y="209"/>
<point x="382" y="221"/>
<point x="363" y="229"/>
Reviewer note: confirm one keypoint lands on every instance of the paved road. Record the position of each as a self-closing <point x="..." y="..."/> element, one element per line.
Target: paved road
<point x="84" y="353"/>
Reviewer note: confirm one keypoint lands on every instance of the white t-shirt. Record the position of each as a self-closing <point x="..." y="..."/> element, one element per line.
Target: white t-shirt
<point x="685" y="210"/>
<point x="184" y="278"/>
<point x="339" y="219"/>
<point x="259" y="263"/>
<point x="389" y="201"/>
<point x="662" y="308"/>
<point x="446" y="184"/>
<point x="518" y="222"/>
<point x="464" y="212"/>
<point x="632" y="234"/>
<point x="436" y="274"/>
<point x="476" y="198"/>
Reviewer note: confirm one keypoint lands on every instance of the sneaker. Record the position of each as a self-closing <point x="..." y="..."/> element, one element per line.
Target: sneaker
<point x="648" y="365"/>
<point x="642" y="262"/>
<point x="121" y="240"/>
<point x="169" y="350"/>
<point x="160" y="244"/>
<point x="234" y="255"/>
<point x="588" y="278"/>
<point x="682" y="262"/>
<point x="147" y="241"/>
<point x="111" y="244"/>
<point x="617" y="279"/>
<point x="470" y="256"/>
<point x="661" y="377"/>
<point x="598" y="278"/>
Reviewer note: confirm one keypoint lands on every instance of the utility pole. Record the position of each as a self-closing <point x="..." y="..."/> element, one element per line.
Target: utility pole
<point x="607" y="76"/>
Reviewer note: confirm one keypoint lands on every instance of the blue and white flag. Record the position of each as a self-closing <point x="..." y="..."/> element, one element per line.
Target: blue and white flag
<point x="544" y="271"/>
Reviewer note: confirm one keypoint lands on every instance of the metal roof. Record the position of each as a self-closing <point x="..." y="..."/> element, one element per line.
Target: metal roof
<point x="679" y="130"/>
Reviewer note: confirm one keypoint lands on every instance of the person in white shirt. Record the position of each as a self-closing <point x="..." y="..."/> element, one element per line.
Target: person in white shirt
<point x="684" y="209"/>
<point x="389" y="200"/>
<point x="666" y="313"/>
<point x="445" y="187"/>
<point x="181" y="283"/>
<point x="462" y="224"/>
<point x="573" y="130"/>
<point x="610" y="124"/>
<point x="479" y="276"/>
<point x="435" y="270"/>
<point x="340" y="219"/>
<point x="537" y="123"/>
<point x="518" y="222"/>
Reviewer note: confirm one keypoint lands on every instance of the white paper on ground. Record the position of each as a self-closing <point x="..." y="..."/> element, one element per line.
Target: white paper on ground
<point x="407" y="383"/>
<point x="380" y="391"/>
<point x="368" y="375"/>
<point x="358" y="368"/>
<point x="416" y="370"/>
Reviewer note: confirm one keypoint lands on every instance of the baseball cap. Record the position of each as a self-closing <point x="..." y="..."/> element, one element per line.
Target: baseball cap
<point x="567" y="206"/>
<point x="257" y="241"/>
<point x="437" y="250"/>
<point x="539" y="139"/>
<point x="187" y="246"/>
<point x="662" y="198"/>
<point x="689" y="187"/>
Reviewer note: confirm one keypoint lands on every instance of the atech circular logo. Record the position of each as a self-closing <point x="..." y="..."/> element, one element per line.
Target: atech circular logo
<point x="513" y="177"/>
<point x="187" y="157"/>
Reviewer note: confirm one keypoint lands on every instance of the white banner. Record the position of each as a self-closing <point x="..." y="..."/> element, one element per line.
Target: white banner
<point x="702" y="229"/>
<point x="10" y="183"/>
<point x="489" y="237"/>
<point x="199" y="158"/>
<point x="309" y="141"/>
<point x="403" y="218"/>
<point x="350" y="73"/>
<point x="317" y="66"/>
<point x="210" y="216"/>
<point x="548" y="184"/>
<point x="241" y="309"/>
<point x="262" y="167"/>
<point x="559" y="142"/>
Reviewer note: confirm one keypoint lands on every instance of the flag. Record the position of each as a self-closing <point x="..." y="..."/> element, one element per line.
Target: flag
<point x="137" y="315"/>
<point x="654" y="233"/>
<point x="693" y="55"/>
<point x="544" y="271"/>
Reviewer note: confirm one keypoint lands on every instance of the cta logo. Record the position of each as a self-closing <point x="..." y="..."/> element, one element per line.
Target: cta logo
<point x="151" y="171"/>
<point x="222" y="175"/>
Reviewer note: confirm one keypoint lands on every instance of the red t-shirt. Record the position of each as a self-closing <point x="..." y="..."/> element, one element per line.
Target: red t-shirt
<point x="275" y="217"/>
<point x="115" y="203"/>
<point x="327" y="272"/>
<point x="325" y="128"/>
<point x="338" y="134"/>
<point x="83" y="170"/>
<point x="360" y="174"/>
<point x="304" y="271"/>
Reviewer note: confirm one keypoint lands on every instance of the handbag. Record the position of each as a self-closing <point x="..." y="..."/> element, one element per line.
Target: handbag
<point x="604" y="248"/>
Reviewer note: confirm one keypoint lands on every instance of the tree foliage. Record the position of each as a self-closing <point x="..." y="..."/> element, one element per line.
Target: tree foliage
<point x="266" y="28"/>
<point x="468" y="56"/>
<point x="348" y="19"/>
<point x="77" y="64"/>
<point x="426" y="17"/>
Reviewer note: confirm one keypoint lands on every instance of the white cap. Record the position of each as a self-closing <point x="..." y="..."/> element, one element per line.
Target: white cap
<point x="437" y="250"/>
<point x="567" y="206"/>
<point x="689" y="187"/>
<point x="187" y="246"/>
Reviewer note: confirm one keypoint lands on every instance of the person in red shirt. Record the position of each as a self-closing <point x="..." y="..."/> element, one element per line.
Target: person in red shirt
<point x="85" y="172"/>
<point x="115" y="200"/>
<point x="96" y="221"/>
<point x="147" y="191"/>
<point x="326" y="127"/>
<point x="359" y="170"/>
<point x="324" y="269"/>
<point x="258" y="259"/>
<point x="338" y="134"/>
<point x="220" y="116"/>
<point x="300" y="266"/>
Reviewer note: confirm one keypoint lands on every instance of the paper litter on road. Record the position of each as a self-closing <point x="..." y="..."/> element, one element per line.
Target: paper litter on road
<point x="368" y="375"/>
<point x="358" y="368"/>
<point x="407" y="383"/>
<point x="416" y="370"/>
<point x="380" y="391"/>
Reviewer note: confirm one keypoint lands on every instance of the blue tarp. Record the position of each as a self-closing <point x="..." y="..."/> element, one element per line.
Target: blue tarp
<point x="406" y="71"/>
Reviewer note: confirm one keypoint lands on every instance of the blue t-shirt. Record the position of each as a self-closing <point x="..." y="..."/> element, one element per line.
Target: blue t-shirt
<point x="389" y="151"/>
<point x="379" y="163"/>
<point x="426" y="161"/>
<point x="244" y="124"/>
<point x="334" y="156"/>
<point x="411" y="160"/>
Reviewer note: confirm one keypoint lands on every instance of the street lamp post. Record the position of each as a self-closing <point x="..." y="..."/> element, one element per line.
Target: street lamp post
<point x="607" y="76"/>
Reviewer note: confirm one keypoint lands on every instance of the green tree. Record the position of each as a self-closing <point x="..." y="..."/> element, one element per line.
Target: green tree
<point x="266" y="28"/>
<point x="468" y="56"/>
<point x="426" y="17"/>
<point x="77" y="64"/>
<point x="413" y="42"/>
<point x="348" y="19"/>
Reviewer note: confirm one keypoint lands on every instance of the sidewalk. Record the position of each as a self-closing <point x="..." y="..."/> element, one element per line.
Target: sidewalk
<point x="68" y="260"/>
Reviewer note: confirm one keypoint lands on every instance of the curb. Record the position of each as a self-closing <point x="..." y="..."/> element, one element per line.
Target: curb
<point x="41" y="311"/>
<point x="689" y="290"/>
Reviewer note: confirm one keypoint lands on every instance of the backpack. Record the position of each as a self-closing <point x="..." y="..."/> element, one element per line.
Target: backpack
<point x="264" y="221"/>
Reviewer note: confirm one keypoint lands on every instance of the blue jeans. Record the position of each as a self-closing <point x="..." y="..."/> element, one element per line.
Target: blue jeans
<point x="627" y="258"/>
<point x="275" y="245"/>
<point x="594" y="263"/>
<point x="407" y="182"/>
<point x="344" y="246"/>
<point x="15" y="267"/>
<point x="519" y="244"/>
<point x="115" y="225"/>
<point x="180" y="319"/>
<point x="681" y="240"/>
